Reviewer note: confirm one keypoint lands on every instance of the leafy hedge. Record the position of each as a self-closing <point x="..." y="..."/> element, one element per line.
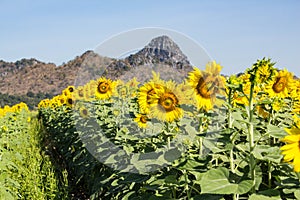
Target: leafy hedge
<point x="26" y="172"/>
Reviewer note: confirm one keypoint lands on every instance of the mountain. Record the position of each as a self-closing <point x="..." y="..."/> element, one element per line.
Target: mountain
<point x="29" y="77"/>
<point x="161" y="55"/>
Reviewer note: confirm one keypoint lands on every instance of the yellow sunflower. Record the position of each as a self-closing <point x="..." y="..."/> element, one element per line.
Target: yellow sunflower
<point x="291" y="150"/>
<point x="280" y="87"/>
<point x="147" y="95"/>
<point x="105" y="88"/>
<point x="141" y="120"/>
<point x="83" y="112"/>
<point x="70" y="101"/>
<point x="80" y="93"/>
<point x="44" y="103"/>
<point x="295" y="89"/>
<point x="265" y="71"/>
<point x="263" y="110"/>
<point x="167" y="106"/>
<point x="122" y="91"/>
<point x="206" y="85"/>
<point x="89" y="90"/>
<point x="133" y="83"/>
<point x="69" y="90"/>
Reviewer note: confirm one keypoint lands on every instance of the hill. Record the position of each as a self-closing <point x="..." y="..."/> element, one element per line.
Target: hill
<point x="30" y="79"/>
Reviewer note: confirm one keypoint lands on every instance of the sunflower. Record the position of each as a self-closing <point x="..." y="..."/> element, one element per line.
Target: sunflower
<point x="187" y="91"/>
<point x="20" y="106"/>
<point x="206" y="85"/>
<point x="69" y="90"/>
<point x="278" y="104"/>
<point x="83" y="112"/>
<point x="122" y="91"/>
<point x="148" y="95"/>
<point x="70" y="101"/>
<point x="167" y="106"/>
<point x="89" y="90"/>
<point x="105" y="88"/>
<point x="281" y="85"/>
<point x="264" y="71"/>
<point x="133" y="83"/>
<point x="263" y="110"/>
<point x="44" y="103"/>
<point x="141" y="120"/>
<point x="295" y="89"/>
<point x="291" y="150"/>
<point x="80" y="93"/>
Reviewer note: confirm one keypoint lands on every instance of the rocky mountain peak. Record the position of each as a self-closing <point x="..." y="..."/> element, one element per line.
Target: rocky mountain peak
<point x="160" y="50"/>
<point x="164" y="43"/>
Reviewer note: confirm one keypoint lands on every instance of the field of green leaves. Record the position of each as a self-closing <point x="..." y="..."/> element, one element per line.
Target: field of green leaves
<point x="209" y="137"/>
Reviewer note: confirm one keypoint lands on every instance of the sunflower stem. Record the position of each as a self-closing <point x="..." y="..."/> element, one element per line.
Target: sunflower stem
<point x="200" y="138"/>
<point x="269" y="174"/>
<point x="230" y="127"/>
<point x="251" y="136"/>
<point x="298" y="175"/>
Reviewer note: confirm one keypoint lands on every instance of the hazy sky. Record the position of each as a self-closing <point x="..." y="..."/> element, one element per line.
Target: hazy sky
<point x="234" y="33"/>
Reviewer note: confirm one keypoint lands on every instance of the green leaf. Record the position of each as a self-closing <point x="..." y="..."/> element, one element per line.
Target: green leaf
<point x="297" y="194"/>
<point x="268" y="153"/>
<point x="275" y="131"/>
<point x="207" y="197"/>
<point x="127" y="196"/>
<point x="244" y="186"/>
<point x="263" y="197"/>
<point x="216" y="181"/>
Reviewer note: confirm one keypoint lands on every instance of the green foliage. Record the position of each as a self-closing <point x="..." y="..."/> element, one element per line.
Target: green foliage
<point x="230" y="152"/>
<point x="26" y="172"/>
<point x="30" y="99"/>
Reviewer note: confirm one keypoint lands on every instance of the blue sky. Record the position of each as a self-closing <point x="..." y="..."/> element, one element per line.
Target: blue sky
<point x="234" y="33"/>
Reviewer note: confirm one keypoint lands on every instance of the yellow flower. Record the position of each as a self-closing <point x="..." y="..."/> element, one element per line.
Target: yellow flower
<point x="295" y="89"/>
<point x="206" y="85"/>
<point x="4" y="128"/>
<point x="122" y="91"/>
<point x="133" y="83"/>
<point x="70" y="100"/>
<point x="80" y="93"/>
<point x="69" y="90"/>
<point x="281" y="85"/>
<point x="263" y="111"/>
<point x="264" y="71"/>
<point x="167" y="106"/>
<point x="44" y="103"/>
<point x="141" y="120"/>
<point x="291" y="150"/>
<point x="83" y="112"/>
<point x="148" y="95"/>
<point x="20" y="106"/>
<point x="277" y="104"/>
<point x="105" y="88"/>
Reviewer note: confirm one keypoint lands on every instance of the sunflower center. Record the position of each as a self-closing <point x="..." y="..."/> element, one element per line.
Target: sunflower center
<point x="103" y="87"/>
<point x="80" y="93"/>
<point x="62" y="101"/>
<point x="70" y="101"/>
<point x="205" y="88"/>
<point x="85" y="112"/>
<point x="143" y="119"/>
<point x="168" y="101"/>
<point x="279" y="85"/>
<point x="71" y="89"/>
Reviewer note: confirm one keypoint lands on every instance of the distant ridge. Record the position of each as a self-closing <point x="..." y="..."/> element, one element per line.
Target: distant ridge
<point x="30" y="76"/>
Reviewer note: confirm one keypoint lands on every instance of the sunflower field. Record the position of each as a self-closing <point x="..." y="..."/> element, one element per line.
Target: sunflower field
<point x="208" y="137"/>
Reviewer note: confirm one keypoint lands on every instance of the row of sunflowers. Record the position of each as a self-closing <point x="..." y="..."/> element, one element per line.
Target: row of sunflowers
<point x="231" y="132"/>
